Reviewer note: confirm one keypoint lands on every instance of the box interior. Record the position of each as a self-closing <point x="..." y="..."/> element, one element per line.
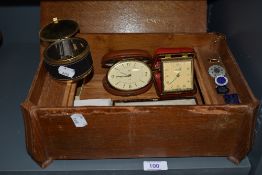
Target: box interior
<point x="53" y="93"/>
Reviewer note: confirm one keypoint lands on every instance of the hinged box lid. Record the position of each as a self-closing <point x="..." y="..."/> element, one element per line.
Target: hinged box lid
<point x="189" y="16"/>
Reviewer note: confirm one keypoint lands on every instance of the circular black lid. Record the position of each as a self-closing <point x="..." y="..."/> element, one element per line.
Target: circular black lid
<point x="59" y="29"/>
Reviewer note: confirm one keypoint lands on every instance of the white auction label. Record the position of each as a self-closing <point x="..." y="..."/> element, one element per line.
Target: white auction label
<point x="79" y="120"/>
<point x="66" y="71"/>
<point x="155" y="165"/>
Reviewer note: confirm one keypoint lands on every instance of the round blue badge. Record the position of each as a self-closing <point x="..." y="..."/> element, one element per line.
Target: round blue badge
<point x="221" y="80"/>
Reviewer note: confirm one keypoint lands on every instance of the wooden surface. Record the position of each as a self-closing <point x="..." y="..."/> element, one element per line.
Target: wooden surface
<point x="208" y="129"/>
<point x="125" y="132"/>
<point x="129" y="16"/>
<point x="203" y="44"/>
<point x="96" y="85"/>
<point x="50" y="92"/>
<point x="100" y="44"/>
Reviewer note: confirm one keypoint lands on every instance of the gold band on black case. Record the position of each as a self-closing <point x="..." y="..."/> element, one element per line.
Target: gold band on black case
<point x="68" y="59"/>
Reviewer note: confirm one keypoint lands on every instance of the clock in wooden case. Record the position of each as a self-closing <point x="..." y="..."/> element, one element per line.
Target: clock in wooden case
<point x="174" y="72"/>
<point x="129" y="72"/>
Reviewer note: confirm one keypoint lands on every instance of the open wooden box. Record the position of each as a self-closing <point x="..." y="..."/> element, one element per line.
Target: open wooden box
<point x="210" y="128"/>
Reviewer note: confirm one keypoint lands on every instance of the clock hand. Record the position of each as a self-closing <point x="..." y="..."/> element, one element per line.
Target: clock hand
<point x="177" y="75"/>
<point x="123" y="73"/>
<point x="172" y="80"/>
<point x="129" y="75"/>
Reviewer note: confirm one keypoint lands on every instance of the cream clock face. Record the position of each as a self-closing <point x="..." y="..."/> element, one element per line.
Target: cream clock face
<point x="177" y="75"/>
<point x="129" y="75"/>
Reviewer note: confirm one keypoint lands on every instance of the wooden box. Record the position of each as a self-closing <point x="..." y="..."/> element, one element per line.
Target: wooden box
<point x="210" y="128"/>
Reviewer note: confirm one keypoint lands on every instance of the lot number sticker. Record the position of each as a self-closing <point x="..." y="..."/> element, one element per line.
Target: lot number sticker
<point x="79" y="120"/>
<point x="155" y="165"/>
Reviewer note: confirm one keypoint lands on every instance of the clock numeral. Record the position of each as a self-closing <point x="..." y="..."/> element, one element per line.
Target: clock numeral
<point x="130" y="86"/>
<point x="112" y="76"/>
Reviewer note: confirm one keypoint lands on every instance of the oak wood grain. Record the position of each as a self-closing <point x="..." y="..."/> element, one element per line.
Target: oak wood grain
<point x="129" y="16"/>
<point x="202" y="43"/>
<point x="100" y="44"/>
<point x="209" y="129"/>
<point x="129" y="132"/>
<point x="125" y="132"/>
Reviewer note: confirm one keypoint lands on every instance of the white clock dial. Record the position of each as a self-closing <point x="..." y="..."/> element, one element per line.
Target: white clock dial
<point x="129" y="75"/>
<point x="178" y="75"/>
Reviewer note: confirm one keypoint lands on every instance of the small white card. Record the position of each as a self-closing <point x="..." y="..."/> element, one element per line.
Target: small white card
<point x="155" y="165"/>
<point x="190" y="101"/>
<point x="66" y="71"/>
<point x="79" y="120"/>
<point x="93" y="102"/>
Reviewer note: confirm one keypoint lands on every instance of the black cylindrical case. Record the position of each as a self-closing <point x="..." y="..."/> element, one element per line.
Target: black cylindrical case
<point x="68" y="59"/>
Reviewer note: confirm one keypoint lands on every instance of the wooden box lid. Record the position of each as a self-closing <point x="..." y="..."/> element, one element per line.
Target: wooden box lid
<point x="188" y="16"/>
